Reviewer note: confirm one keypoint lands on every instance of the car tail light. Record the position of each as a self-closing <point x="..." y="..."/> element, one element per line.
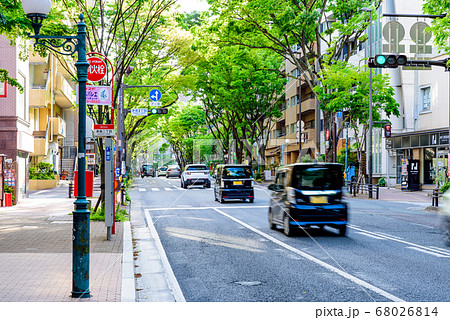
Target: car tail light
<point x="291" y="195"/>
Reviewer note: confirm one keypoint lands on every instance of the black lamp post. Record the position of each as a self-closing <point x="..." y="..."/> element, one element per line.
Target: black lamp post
<point x="37" y="11"/>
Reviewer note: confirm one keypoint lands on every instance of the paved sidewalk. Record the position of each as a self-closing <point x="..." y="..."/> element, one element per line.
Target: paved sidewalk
<point x="393" y="194"/>
<point x="36" y="251"/>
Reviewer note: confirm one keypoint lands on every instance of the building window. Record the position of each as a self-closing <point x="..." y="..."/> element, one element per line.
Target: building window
<point x="294" y="100"/>
<point x="425" y="94"/>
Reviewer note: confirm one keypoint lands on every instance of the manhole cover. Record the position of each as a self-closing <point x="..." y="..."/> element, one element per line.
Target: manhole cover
<point x="248" y="283"/>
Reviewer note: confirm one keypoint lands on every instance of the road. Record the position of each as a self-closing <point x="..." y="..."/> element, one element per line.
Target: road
<point x="227" y="252"/>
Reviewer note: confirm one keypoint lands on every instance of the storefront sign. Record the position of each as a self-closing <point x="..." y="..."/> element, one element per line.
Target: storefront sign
<point x="433" y="139"/>
<point x="443" y="139"/>
<point x="3" y="87"/>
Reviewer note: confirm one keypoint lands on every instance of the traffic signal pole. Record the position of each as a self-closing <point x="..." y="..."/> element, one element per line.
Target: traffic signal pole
<point x="428" y="63"/>
<point x="121" y="151"/>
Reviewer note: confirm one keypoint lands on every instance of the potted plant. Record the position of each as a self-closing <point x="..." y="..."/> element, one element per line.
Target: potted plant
<point x="41" y="177"/>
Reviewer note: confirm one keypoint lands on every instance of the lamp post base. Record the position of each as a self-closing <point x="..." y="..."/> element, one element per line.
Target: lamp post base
<point x="81" y="294"/>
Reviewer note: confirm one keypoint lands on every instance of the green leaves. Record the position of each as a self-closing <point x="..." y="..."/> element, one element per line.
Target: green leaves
<point x="440" y="26"/>
<point x="345" y="87"/>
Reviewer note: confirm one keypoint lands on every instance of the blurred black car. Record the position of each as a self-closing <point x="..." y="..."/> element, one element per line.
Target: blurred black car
<point x="308" y="194"/>
<point x="147" y="170"/>
<point x="234" y="181"/>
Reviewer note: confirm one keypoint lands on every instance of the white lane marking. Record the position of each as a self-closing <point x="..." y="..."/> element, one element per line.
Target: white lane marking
<point x="169" y="189"/>
<point x="429" y="252"/>
<point x="305" y="255"/>
<point x="370" y="235"/>
<point x="155" y="189"/>
<point x="171" y="279"/>
<point x="208" y="208"/>
<point x="142" y="189"/>
<point x="441" y="249"/>
<point x="389" y="237"/>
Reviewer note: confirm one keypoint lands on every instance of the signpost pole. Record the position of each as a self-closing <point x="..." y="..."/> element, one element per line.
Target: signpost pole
<point x="109" y="186"/>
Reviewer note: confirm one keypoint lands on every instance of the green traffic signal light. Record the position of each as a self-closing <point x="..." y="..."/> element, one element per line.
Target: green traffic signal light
<point x="380" y="60"/>
<point x="389" y="61"/>
<point x="158" y="111"/>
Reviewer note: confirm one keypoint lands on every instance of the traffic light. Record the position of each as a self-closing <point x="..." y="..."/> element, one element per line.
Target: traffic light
<point x="388" y="61"/>
<point x="158" y="111"/>
<point x="387" y="130"/>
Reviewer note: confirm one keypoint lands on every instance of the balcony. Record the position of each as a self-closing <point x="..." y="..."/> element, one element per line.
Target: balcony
<point x="38" y="97"/>
<point x="64" y="94"/>
<point x="40" y="144"/>
<point x="58" y="127"/>
<point x="308" y="105"/>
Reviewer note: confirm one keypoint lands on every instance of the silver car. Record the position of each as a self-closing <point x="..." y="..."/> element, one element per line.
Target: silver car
<point x="173" y="171"/>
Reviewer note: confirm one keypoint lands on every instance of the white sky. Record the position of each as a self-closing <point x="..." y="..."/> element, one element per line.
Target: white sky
<point x="192" y="5"/>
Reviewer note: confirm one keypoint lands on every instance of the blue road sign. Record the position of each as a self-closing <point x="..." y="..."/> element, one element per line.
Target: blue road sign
<point x="339" y="114"/>
<point x="108" y="153"/>
<point x="155" y="95"/>
<point x="117" y="172"/>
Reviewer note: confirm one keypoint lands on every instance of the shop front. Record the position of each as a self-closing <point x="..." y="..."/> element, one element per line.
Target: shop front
<point x="421" y="158"/>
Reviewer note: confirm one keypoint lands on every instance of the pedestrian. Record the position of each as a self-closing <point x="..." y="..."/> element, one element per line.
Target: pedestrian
<point x="350" y="172"/>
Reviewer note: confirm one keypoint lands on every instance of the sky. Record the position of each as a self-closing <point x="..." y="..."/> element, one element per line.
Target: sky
<point x="191" y="5"/>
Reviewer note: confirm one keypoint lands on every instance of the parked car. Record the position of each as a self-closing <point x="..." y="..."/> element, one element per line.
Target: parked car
<point x="195" y="174"/>
<point x="233" y="181"/>
<point x="161" y="171"/>
<point x="147" y="170"/>
<point x="308" y="194"/>
<point x="173" y="171"/>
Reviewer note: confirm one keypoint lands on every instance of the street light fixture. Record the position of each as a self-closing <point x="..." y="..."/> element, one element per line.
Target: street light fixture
<point x="369" y="142"/>
<point x="37" y="11"/>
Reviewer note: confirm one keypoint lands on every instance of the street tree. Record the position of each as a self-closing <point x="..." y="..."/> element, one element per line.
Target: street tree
<point x="240" y="92"/>
<point x="440" y="29"/>
<point x="309" y="34"/>
<point x="345" y="88"/>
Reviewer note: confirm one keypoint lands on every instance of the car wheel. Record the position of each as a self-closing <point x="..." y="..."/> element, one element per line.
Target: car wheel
<point x="343" y="231"/>
<point x="272" y="225"/>
<point x="185" y="185"/>
<point x="142" y="176"/>
<point x="222" y="200"/>
<point x="251" y="200"/>
<point x="288" y="229"/>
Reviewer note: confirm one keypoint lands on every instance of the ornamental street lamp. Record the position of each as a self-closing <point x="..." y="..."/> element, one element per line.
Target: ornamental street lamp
<point x="369" y="144"/>
<point x="37" y="11"/>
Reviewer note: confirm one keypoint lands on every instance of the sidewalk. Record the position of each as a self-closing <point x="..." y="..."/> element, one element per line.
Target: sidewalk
<point x="36" y="252"/>
<point x="393" y="194"/>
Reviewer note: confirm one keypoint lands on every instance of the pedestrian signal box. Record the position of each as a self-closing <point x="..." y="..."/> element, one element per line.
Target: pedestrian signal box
<point x="387" y="130"/>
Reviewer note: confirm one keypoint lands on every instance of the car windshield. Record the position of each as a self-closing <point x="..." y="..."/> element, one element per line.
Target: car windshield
<point x="237" y="172"/>
<point x="162" y="169"/>
<point x="173" y="167"/>
<point x="193" y="168"/>
<point x="317" y="178"/>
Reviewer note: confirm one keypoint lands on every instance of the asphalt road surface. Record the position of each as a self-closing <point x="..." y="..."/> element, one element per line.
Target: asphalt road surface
<point x="394" y="251"/>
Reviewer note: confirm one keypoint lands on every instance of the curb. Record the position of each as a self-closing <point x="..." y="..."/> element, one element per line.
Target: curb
<point x="128" y="292"/>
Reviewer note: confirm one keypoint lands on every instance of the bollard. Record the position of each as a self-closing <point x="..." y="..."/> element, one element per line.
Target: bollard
<point x="435" y="198"/>
<point x="378" y="191"/>
<point x="70" y="189"/>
